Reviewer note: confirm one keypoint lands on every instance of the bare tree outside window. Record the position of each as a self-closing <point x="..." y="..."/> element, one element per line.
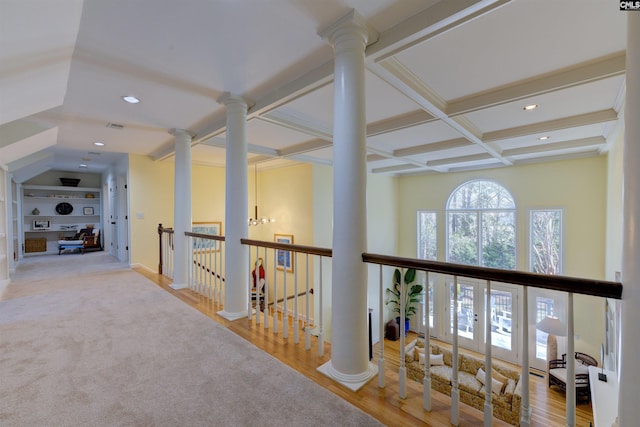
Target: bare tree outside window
<point x="427" y="236"/>
<point x="546" y="236"/>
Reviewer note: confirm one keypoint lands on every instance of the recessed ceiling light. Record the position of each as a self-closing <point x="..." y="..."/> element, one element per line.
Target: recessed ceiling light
<point x="530" y="107"/>
<point x="543" y="138"/>
<point x="82" y="165"/>
<point x="98" y="144"/>
<point x="130" y="99"/>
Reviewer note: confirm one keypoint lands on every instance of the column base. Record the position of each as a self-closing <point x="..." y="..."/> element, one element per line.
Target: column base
<point x="178" y="286"/>
<point x="233" y="316"/>
<point x="352" y="382"/>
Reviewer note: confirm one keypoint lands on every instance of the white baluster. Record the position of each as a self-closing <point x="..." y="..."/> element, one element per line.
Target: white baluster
<point x="381" y="381"/>
<point x="250" y="301"/>
<point x="402" y="373"/>
<point x="285" y="315"/>
<point x="307" y="328"/>
<point x="488" y="383"/>
<point x="275" y="298"/>
<point x="525" y="415"/>
<point x="320" y="326"/>
<point x="296" y="323"/>
<point x="455" y="393"/>
<point x="426" y="382"/>
<point x="571" y="365"/>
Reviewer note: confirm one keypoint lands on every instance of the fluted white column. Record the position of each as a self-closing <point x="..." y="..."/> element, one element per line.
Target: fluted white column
<point x="181" y="207"/>
<point x="349" y="362"/>
<point x="628" y="408"/>
<point x="236" y="209"/>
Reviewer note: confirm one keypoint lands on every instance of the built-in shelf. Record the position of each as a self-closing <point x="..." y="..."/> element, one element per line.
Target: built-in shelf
<point x="44" y="199"/>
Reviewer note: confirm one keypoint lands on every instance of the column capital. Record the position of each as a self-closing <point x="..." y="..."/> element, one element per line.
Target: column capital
<point x="178" y="131"/>
<point x="352" y="22"/>
<point x="230" y="99"/>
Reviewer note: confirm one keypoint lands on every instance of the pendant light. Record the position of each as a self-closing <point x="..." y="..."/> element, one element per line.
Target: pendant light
<point x="256" y="220"/>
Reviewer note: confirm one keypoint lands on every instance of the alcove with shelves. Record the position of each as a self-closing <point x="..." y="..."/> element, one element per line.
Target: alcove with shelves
<point x="51" y="213"/>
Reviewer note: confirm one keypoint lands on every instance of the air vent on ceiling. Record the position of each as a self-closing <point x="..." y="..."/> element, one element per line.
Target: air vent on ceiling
<point x="94" y="153"/>
<point x="115" y="126"/>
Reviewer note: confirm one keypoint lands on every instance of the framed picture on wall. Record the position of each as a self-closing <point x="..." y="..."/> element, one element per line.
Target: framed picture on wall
<point x="284" y="259"/>
<point x="208" y="227"/>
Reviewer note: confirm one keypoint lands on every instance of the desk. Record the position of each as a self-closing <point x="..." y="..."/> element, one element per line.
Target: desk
<point x="604" y="397"/>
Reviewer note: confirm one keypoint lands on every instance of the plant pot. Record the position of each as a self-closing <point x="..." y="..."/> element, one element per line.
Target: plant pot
<point x="407" y="321"/>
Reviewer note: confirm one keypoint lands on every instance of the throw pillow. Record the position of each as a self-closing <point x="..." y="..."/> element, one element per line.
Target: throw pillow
<point x="436" y="360"/>
<point x="496" y="386"/>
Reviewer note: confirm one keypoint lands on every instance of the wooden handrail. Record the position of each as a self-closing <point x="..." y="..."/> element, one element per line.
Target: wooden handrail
<point x="204" y="236"/>
<point x="312" y="250"/>
<point x="599" y="288"/>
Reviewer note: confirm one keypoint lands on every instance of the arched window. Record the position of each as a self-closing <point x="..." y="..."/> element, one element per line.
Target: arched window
<point x="481" y="225"/>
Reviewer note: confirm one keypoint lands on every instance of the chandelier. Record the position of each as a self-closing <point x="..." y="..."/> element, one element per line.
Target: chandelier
<point x="256" y="220"/>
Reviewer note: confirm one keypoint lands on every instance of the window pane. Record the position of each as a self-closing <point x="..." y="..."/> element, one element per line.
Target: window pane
<point x="463" y="238"/>
<point x="481" y="195"/>
<point x="546" y="241"/>
<point x="465" y="310"/>
<point x="501" y="309"/>
<point x="424" y="319"/>
<point x="499" y="240"/>
<point x="544" y="308"/>
<point x="427" y="237"/>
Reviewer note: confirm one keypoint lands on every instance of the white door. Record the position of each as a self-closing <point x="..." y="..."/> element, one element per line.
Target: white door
<point x="113" y="215"/>
<point x="122" y="219"/>
<point x="471" y="314"/>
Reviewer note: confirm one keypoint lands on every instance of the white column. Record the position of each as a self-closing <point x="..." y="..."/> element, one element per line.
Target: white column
<point x="628" y="408"/>
<point x="236" y="210"/>
<point x="181" y="207"/>
<point x="349" y="362"/>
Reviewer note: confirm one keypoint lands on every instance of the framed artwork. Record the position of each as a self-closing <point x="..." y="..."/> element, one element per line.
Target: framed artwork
<point x="207" y="227"/>
<point x="41" y="225"/>
<point x="88" y="211"/>
<point x="284" y="259"/>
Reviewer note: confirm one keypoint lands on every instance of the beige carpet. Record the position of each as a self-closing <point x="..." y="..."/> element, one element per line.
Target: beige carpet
<point x="86" y="342"/>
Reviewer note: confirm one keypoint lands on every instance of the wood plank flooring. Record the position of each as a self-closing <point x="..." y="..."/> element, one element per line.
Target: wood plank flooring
<point x="382" y="403"/>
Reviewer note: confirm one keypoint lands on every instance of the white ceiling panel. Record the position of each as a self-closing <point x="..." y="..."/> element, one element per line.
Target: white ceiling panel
<point x="570" y="102"/>
<point x="518" y="41"/>
<point x="416" y="135"/>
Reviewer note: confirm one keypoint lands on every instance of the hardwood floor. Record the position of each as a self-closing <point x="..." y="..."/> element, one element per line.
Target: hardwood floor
<point x="382" y="403"/>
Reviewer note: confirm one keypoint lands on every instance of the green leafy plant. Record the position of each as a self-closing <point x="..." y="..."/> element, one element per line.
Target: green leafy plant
<point x="412" y="296"/>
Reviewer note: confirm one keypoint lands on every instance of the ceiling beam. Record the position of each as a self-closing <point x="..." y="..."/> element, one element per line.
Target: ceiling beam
<point x="563" y="145"/>
<point x="401" y="121"/>
<point x="428" y="23"/>
<point x="603" y="68"/>
<point x="398" y="168"/>
<point x="602" y="116"/>
<point x="298" y="124"/>
<point x="433" y="147"/>
<point x="461" y="159"/>
<point x="305" y="147"/>
<point x="397" y="75"/>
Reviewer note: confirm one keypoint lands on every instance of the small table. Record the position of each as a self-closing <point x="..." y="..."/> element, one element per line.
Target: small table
<point x="604" y="397"/>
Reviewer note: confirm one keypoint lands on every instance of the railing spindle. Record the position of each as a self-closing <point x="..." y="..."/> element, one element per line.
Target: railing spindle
<point x="296" y="338"/>
<point x="426" y="383"/>
<point x="488" y="383"/>
<point x="525" y="413"/>
<point x="381" y="381"/>
<point x="320" y="316"/>
<point x="307" y="328"/>
<point x="402" y="373"/>
<point x="455" y="392"/>
<point x="571" y="365"/>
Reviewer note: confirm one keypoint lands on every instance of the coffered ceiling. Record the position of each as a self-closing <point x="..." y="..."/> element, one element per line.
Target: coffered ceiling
<point x="447" y="81"/>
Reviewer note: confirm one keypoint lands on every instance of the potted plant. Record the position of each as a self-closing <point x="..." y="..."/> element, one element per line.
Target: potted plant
<point x="412" y="295"/>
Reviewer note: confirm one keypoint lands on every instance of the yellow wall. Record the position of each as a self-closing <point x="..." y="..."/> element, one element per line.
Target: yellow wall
<point x="577" y="186"/>
<point x="614" y="207"/>
<point x="150" y="196"/>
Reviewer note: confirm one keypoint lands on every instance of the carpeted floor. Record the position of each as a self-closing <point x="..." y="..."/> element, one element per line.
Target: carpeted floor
<point x="87" y="342"/>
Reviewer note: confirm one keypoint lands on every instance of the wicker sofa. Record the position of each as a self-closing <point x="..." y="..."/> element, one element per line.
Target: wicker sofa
<point x="506" y="402"/>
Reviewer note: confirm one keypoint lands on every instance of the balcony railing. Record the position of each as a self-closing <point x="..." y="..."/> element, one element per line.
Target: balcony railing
<point x="292" y="272"/>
